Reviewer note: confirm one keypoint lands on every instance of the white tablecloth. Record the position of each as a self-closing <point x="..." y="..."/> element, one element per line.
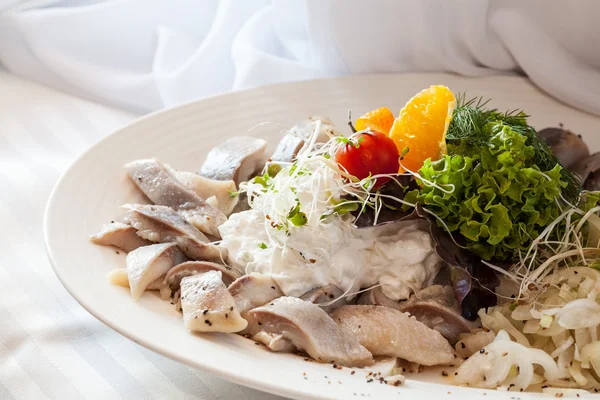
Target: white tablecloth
<point x="50" y="347"/>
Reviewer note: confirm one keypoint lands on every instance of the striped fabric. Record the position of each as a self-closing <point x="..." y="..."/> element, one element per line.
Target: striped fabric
<point x="50" y="347"/>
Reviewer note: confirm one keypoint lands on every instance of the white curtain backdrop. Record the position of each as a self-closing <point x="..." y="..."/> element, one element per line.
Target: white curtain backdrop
<point x="147" y="54"/>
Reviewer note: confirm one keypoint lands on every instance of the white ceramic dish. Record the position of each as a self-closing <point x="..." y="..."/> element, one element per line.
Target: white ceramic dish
<point x="90" y="192"/>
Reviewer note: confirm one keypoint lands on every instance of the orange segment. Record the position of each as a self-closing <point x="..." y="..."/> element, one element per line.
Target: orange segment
<point x="380" y="120"/>
<point x="422" y="124"/>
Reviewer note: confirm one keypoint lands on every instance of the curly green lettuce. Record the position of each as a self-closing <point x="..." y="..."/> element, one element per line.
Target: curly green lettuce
<point x="501" y="200"/>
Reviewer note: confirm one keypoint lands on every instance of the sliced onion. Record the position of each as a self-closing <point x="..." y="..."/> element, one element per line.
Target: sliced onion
<point x="496" y="362"/>
<point x="560" y="338"/>
<point x="592" y="382"/>
<point x="545" y="361"/>
<point x="502" y="367"/>
<point x="502" y="323"/>
<point x="521" y="343"/>
<point x="537" y="379"/>
<point x="575" y="371"/>
<point x="472" y="371"/>
<point x="468" y="346"/>
<point x="593" y="331"/>
<point x="525" y="376"/>
<point x="580" y="313"/>
<point x="522" y="313"/>
<point x="554" y="329"/>
<point x="591" y="353"/>
<point x="564" y="360"/>
<point x="566" y="293"/>
<point x="582" y="337"/>
<point x="539" y="342"/>
<point x="564" y="346"/>
<point x="502" y="335"/>
<point x="586" y="287"/>
<point x="574" y="273"/>
<point x="383" y="366"/>
<point x="593" y="221"/>
<point x="531" y="326"/>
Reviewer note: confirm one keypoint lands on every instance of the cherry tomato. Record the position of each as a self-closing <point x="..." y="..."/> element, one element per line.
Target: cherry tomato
<point x="368" y="153"/>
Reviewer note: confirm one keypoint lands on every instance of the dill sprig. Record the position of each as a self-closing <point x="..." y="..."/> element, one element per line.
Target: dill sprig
<point x="471" y="125"/>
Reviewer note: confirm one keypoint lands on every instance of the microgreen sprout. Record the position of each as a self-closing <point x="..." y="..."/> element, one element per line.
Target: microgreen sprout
<point x="273" y="169"/>
<point x="352" y="141"/>
<point x="404" y="152"/>
<point x="297" y="217"/>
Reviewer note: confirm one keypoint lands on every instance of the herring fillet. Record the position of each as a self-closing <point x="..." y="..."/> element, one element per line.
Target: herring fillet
<point x="162" y="187"/>
<point x="119" y="235"/>
<point x="253" y="290"/>
<point x="388" y="332"/>
<point x="236" y="159"/>
<point x="310" y="329"/>
<point x="221" y="191"/>
<point x="162" y="224"/>
<point x="329" y="297"/>
<point x="435" y="306"/>
<point x="290" y="145"/>
<point x="207" y="305"/>
<point x="148" y="263"/>
<point x="189" y="268"/>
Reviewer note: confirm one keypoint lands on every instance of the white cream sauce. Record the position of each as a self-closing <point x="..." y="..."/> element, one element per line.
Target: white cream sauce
<point x="324" y="251"/>
<point x="402" y="263"/>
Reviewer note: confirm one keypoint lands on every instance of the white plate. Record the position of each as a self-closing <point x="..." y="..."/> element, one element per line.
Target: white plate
<point x="90" y="192"/>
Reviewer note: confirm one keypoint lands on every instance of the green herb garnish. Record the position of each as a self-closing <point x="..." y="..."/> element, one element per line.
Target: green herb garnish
<point x="350" y="141"/>
<point x="273" y="170"/>
<point x="297" y="217"/>
<point x="346" y="207"/>
<point x="472" y="123"/>
<point x="498" y="186"/>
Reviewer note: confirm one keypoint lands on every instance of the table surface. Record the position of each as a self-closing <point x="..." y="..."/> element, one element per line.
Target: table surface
<point x="50" y="347"/>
